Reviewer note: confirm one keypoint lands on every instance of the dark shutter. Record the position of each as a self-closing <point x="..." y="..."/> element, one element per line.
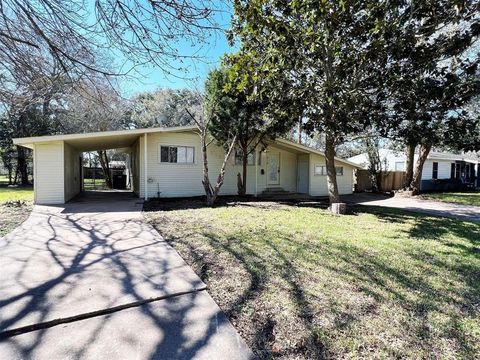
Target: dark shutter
<point x="435" y="170"/>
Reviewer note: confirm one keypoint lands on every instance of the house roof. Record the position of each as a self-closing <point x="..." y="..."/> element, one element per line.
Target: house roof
<point x="308" y="149"/>
<point x="436" y="155"/>
<point x="124" y="138"/>
<point x="99" y="140"/>
<point x="433" y="155"/>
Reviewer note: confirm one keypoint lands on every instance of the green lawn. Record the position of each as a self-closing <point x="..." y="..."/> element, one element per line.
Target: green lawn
<point x="298" y="282"/>
<point x="466" y="198"/>
<point x="88" y="184"/>
<point x="15" y="193"/>
<point x="15" y="206"/>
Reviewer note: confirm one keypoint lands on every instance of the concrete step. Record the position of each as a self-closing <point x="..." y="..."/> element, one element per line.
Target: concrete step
<point x="274" y="190"/>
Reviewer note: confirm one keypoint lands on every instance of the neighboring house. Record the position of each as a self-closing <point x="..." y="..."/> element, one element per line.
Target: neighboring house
<point x="441" y="171"/>
<point x="392" y="160"/>
<point x="169" y="161"/>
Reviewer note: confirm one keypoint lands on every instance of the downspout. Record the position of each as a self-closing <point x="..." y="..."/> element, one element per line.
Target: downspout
<point x="145" y="179"/>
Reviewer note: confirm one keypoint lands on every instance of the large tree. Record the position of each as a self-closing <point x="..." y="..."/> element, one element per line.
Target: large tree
<point x="74" y="32"/>
<point x="236" y="100"/>
<point x="92" y="108"/>
<point x="163" y="107"/>
<point x="201" y="116"/>
<point x="432" y="75"/>
<point x="28" y="101"/>
<point x="332" y="54"/>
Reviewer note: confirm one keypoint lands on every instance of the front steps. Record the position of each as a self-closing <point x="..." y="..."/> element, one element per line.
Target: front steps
<point x="278" y="193"/>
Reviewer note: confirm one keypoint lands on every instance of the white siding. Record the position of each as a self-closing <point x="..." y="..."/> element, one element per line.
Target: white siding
<point x="49" y="173"/>
<point x="71" y="171"/>
<point x="387" y="156"/>
<point x="177" y="180"/>
<point x="444" y="168"/>
<point x="318" y="183"/>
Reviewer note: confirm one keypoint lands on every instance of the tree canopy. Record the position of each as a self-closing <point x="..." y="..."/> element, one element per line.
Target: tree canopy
<point x="331" y="55"/>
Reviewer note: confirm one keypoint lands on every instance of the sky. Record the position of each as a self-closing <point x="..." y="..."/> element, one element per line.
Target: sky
<point x="149" y="78"/>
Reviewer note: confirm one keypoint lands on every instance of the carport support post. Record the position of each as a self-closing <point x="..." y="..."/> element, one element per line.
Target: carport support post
<point x="145" y="179"/>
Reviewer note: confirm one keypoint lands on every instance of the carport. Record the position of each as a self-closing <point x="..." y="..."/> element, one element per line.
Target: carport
<point x="57" y="160"/>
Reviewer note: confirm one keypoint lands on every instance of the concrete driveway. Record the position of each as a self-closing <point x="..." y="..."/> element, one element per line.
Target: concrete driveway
<point x="92" y="280"/>
<point x="436" y="208"/>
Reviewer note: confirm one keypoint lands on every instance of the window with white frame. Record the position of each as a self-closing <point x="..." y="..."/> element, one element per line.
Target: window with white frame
<point x="177" y="154"/>
<point x="321" y="170"/>
<point x="250" y="158"/>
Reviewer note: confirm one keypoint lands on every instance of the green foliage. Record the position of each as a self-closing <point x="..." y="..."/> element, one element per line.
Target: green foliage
<point x="433" y="72"/>
<point x="322" y="55"/>
<point x="234" y="106"/>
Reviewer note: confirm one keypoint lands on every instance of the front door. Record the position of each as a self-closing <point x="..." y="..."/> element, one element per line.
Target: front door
<point x="273" y="169"/>
<point x="302" y="176"/>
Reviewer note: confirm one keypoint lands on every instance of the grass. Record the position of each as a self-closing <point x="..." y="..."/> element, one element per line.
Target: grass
<point x="465" y="198"/>
<point x="298" y="282"/>
<point x="88" y="184"/>
<point x="16" y="194"/>
<point x="15" y="205"/>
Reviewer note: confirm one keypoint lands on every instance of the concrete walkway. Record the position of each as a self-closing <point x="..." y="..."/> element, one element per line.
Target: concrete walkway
<point x="92" y="280"/>
<point x="436" y="208"/>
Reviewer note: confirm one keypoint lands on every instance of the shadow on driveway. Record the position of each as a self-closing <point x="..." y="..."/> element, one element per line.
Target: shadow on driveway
<point x="80" y="261"/>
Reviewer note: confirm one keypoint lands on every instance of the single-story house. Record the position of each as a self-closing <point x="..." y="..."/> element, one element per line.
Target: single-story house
<point x="167" y="162"/>
<point x="441" y="171"/>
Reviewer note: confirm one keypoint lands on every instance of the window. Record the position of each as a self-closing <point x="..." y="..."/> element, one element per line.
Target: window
<point x="435" y="170"/>
<point x="320" y="170"/>
<point x="399" y="166"/>
<point x="177" y="154"/>
<point x="452" y="171"/>
<point x="239" y="160"/>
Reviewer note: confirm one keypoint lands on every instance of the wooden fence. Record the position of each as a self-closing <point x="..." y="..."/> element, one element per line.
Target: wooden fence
<point x="391" y="180"/>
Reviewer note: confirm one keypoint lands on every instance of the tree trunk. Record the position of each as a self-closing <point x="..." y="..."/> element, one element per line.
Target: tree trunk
<point x="212" y="192"/>
<point x="417" y="175"/>
<point x="10" y="175"/>
<point x="331" y="172"/>
<point x="242" y="185"/>
<point x="104" y="163"/>
<point x="206" y="180"/>
<point x="409" y="166"/>
<point x="15" y="179"/>
<point x="22" y="165"/>
<point x="221" y="175"/>
<point x="300" y="130"/>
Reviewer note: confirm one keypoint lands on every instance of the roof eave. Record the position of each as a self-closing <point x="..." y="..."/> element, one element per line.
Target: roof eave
<point x="314" y="151"/>
<point x="30" y="141"/>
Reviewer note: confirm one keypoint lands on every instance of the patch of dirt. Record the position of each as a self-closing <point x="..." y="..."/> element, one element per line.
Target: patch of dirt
<point x="198" y="202"/>
<point x="12" y="214"/>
